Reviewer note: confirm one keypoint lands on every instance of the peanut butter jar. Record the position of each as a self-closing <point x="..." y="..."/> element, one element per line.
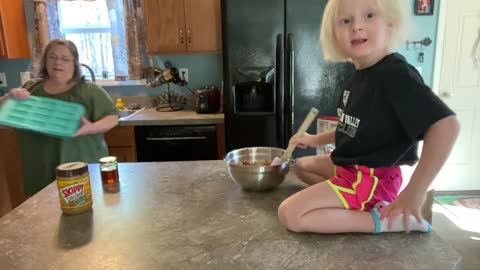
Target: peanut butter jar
<point x="74" y="190"/>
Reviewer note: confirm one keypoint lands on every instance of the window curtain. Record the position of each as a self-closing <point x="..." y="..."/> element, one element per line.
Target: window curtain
<point x="128" y="35"/>
<point x="128" y="38"/>
<point x="117" y="25"/>
<point x="46" y="28"/>
<point x="136" y="40"/>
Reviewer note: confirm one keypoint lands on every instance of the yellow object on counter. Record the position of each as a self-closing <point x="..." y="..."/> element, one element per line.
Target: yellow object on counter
<point x="120" y="105"/>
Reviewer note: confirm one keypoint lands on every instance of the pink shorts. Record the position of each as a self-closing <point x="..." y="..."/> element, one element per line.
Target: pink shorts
<point x="360" y="187"/>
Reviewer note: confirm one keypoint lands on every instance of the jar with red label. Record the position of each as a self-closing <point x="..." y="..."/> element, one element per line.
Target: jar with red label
<point x="74" y="190"/>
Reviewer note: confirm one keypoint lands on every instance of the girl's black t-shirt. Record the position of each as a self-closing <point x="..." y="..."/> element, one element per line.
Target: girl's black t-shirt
<point x="384" y="111"/>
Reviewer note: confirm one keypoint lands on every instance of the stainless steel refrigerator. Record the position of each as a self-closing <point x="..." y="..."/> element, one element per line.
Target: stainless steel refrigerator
<point x="274" y="71"/>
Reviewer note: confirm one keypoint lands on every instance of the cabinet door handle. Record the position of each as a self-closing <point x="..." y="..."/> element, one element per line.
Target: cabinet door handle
<point x="189" y="36"/>
<point x="181" y="36"/>
<point x="2" y="51"/>
<point x="175" y="138"/>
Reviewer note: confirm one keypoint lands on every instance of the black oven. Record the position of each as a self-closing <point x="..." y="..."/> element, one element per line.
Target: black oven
<point x="176" y="143"/>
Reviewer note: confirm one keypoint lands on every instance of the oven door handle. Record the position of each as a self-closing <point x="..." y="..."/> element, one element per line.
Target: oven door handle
<point x="176" y="138"/>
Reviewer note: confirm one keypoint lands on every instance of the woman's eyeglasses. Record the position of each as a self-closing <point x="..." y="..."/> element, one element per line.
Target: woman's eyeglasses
<point x="64" y="60"/>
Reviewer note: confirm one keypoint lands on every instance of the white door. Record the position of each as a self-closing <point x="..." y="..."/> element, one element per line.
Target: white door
<point x="457" y="81"/>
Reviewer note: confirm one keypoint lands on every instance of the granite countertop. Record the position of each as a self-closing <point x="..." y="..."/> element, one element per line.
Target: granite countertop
<point x="151" y="117"/>
<point x="191" y="215"/>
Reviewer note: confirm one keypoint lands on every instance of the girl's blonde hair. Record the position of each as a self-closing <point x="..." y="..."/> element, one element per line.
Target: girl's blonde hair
<point x="394" y="11"/>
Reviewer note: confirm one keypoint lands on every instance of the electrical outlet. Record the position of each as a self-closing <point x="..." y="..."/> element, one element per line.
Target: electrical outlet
<point x="24" y="77"/>
<point x="183" y="73"/>
<point x="3" y="79"/>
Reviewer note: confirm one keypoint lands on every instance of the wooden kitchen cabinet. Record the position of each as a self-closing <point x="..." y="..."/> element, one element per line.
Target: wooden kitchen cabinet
<point x="183" y="26"/>
<point x="221" y="148"/>
<point x="121" y="143"/>
<point x="11" y="177"/>
<point x="13" y="30"/>
<point x="204" y="26"/>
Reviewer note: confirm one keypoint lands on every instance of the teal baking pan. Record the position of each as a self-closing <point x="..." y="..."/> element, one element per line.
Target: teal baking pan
<point x="45" y="115"/>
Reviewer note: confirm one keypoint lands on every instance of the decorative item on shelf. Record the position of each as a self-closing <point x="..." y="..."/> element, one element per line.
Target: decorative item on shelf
<point x="170" y="101"/>
<point x="423" y="7"/>
<point x="119" y="104"/>
<point x="164" y="99"/>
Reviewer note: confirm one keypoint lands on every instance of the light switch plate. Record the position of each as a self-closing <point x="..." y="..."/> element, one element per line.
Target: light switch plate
<point x="24" y="77"/>
<point x="183" y="73"/>
<point x="3" y="79"/>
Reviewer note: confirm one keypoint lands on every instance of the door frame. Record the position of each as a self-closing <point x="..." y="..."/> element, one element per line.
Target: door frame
<point x="437" y="66"/>
<point x="438" y="62"/>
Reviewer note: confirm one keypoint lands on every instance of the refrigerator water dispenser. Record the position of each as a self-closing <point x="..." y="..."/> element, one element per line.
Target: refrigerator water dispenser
<point x="254" y="97"/>
<point x="254" y="90"/>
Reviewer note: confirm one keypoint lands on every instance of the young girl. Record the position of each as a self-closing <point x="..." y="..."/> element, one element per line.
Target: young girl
<point x="384" y="110"/>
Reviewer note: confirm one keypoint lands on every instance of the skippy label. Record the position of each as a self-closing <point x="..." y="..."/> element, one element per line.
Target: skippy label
<point x="75" y="193"/>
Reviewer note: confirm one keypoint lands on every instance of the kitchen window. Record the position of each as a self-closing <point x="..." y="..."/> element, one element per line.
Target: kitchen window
<point x="87" y="24"/>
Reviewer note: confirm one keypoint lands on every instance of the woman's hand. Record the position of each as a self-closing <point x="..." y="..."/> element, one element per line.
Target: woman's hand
<point x="409" y="202"/>
<point x="19" y="93"/>
<point x="86" y="128"/>
<point x="303" y="140"/>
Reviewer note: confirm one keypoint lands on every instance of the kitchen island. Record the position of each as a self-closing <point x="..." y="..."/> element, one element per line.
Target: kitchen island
<point x="191" y="215"/>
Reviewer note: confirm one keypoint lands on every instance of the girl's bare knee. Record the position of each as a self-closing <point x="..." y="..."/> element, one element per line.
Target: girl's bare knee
<point x="300" y="163"/>
<point x="300" y="166"/>
<point x="288" y="218"/>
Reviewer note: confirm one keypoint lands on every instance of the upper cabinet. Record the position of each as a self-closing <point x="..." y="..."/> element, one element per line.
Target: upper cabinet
<point x="13" y="30"/>
<point x="183" y="26"/>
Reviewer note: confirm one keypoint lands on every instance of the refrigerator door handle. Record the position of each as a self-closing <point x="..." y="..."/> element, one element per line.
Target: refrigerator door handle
<point x="290" y="86"/>
<point x="279" y="93"/>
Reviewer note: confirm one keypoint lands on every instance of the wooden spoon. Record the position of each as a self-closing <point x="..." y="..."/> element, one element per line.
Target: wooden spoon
<point x="306" y="123"/>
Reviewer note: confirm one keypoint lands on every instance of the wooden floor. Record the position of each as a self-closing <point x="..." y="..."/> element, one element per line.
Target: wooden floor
<point x="466" y="242"/>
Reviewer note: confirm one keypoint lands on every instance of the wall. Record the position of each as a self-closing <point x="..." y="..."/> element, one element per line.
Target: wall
<point x="423" y="26"/>
<point x="12" y="69"/>
<point x="203" y="70"/>
<point x="207" y="69"/>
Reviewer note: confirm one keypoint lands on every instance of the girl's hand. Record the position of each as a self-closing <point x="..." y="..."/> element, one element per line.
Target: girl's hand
<point x="19" y="93"/>
<point x="302" y="140"/>
<point x="407" y="203"/>
<point x="86" y="128"/>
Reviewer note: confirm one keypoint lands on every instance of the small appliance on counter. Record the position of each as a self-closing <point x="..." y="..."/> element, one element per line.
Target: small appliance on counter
<point x="207" y="99"/>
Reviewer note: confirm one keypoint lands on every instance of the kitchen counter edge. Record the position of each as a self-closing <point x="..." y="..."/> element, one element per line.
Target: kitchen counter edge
<point x="151" y="117"/>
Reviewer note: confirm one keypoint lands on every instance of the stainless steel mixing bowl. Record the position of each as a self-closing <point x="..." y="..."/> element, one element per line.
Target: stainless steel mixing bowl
<point x="256" y="178"/>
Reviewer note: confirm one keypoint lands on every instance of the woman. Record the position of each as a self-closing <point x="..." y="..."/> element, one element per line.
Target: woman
<point x="60" y="78"/>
